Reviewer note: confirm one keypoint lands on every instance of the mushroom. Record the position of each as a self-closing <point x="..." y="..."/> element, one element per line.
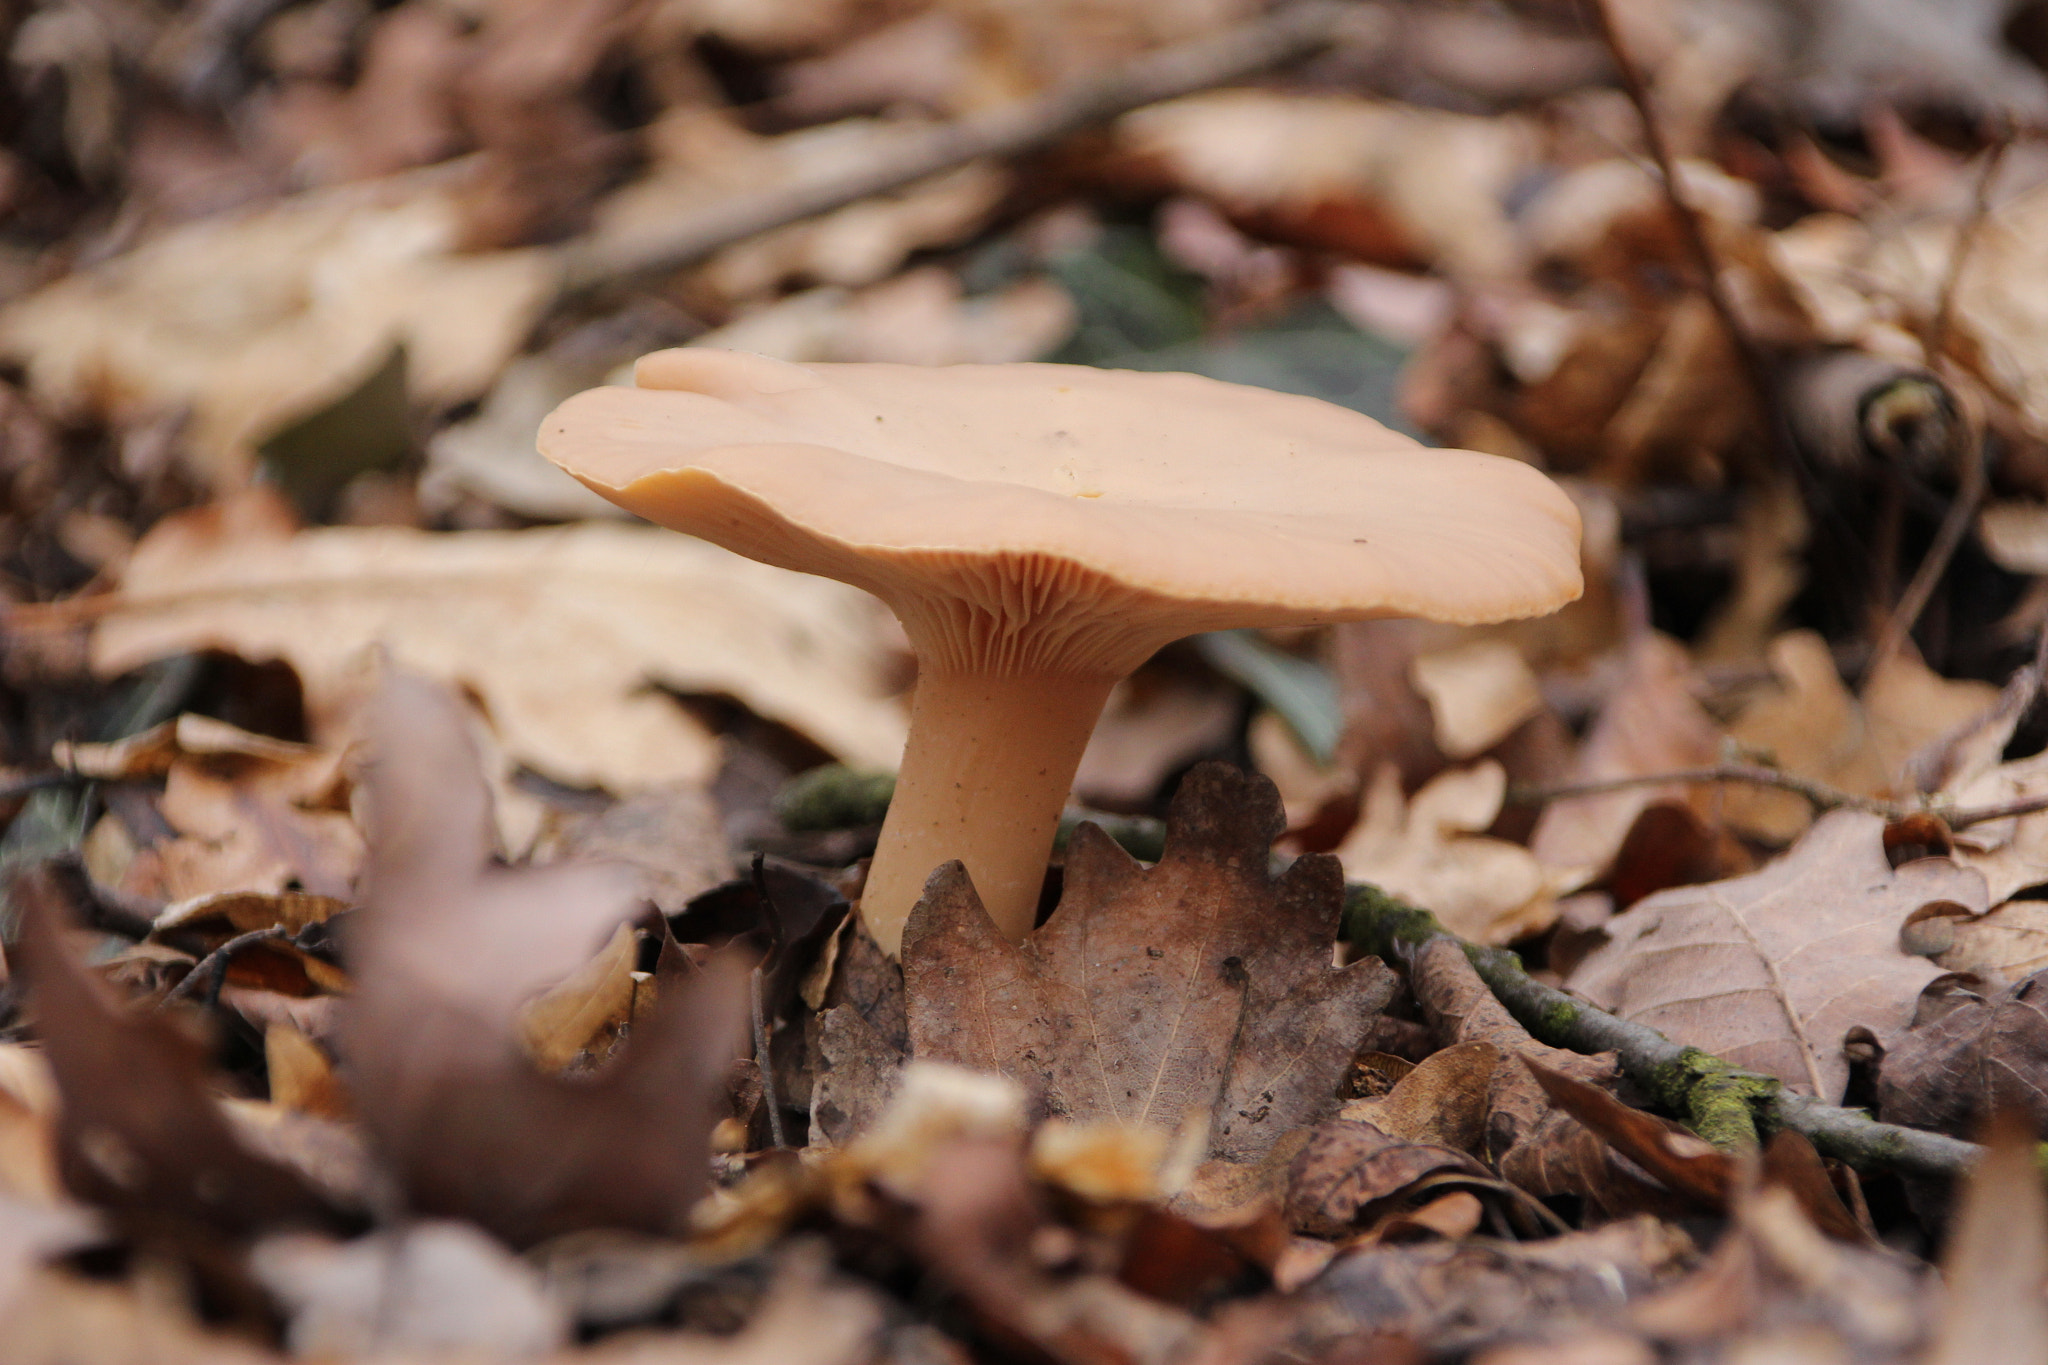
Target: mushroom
<point x="1041" y="530"/>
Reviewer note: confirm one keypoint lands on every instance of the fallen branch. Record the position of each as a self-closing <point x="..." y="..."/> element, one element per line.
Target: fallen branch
<point x="1722" y="1103"/>
<point x="1820" y="794"/>
<point x="1756" y="367"/>
<point x="211" y="971"/>
<point x="1290" y="34"/>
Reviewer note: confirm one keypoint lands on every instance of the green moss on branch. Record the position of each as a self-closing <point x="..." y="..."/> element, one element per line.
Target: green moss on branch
<point x="1723" y="1103"/>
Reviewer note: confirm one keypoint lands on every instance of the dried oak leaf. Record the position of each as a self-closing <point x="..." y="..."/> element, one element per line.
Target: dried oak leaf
<point x="139" y="1132"/>
<point x="1969" y="1056"/>
<point x="1350" y="1173"/>
<point x="1200" y="986"/>
<point x="445" y="951"/>
<point x="563" y="635"/>
<point x="1530" y="1140"/>
<point x="1771" y="970"/>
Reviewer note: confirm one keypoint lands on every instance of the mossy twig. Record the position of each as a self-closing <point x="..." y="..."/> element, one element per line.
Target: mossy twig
<point x="1722" y="1103"/>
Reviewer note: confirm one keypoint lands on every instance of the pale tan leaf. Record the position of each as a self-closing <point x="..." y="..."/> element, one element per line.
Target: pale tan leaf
<point x="563" y="634"/>
<point x="1477" y="692"/>
<point x="1771" y="970"/>
<point x="1812" y="727"/>
<point x="1440" y="177"/>
<point x="254" y="321"/>
<point x="1427" y="850"/>
<point x="572" y="1014"/>
<point x="1651" y="724"/>
<point x="1997" y="1259"/>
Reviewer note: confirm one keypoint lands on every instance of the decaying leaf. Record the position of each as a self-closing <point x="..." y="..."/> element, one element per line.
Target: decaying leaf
<point x="562" y="634"/>
<point x="1685" y="1162"/>
<point x="1478" y="692"/>
<point x="1459" y="1295"/>
<point x="1328" y="165"/>
<point x="1531" y="1141"/>
<point x="254" y="321"/>
<point x="1775" y="1277"/>
<point x="139" y="1131"/>
<point x="1350" y="1175"/>
<point x="1197" y="990"/>
<point x="1651" y="724"/>
<point x="1996" y="1259"/>
<point x="423" y="1286"/>
<point x="1771" y="971"/>
<point x="1429" y="850"/>
<point x="1442" y="1100"/>
<point x="446" y="949"/>
<point x="1968" y="1057"/>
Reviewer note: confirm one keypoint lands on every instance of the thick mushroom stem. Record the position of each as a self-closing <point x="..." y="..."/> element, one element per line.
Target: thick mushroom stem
<point x="985" y="775"/>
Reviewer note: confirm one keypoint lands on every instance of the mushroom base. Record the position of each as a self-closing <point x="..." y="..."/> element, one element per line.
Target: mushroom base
<point x="985" y="776"/>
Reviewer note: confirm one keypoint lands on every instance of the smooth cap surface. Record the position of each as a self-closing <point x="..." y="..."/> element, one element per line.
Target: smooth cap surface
<point x="1211" y="504"/>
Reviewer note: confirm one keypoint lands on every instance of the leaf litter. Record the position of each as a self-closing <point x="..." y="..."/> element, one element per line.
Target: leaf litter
<point x="349" y="1018"/>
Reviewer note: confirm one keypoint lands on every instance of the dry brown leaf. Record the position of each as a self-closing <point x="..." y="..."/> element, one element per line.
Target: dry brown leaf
<point x="2015" y="535"/>
<point x="1812" y="727"/>
<point x="396" y="115"/>
<point x="2011" y="853"/>
<point x="1529" y="1140"/>
<point x="575" y="1014"/>
<point x="1439" y="177"/>
<point x="1910" y="706"/>
<point x="1771" y="971"/>
<point x="423" y="1286"/>
<point x="1868" y="278"/>
<point x="673" y="836"/>
<point x="445" y="952"/>
<point x="1775" y="1278"/>
<point x="1996" y="1260"/>
<point x="65" y="1318"/>
<point x="252" y="814"/>
<point x="1153" y="726"/>
<point x="1651" y="724"/>
<point x="704" y="160"/>
<point x="919" y="317"/>
<point x="1197" y="990"/>
<point x="205" y="923"/>
<point x="1428" y="850"/>
<point x="139" y="1131"/>
<point x="300" y="1076"/>
<point x="2002" y="946"/>
<point x="1685" y="1162"/>
<point x="1477" y="692"/>
<point x="562" y="634"/>
<point x="1349" y="1172"/>
<point x="1968" y="1057"/>
<point x="1459" y="1295"/>
<point x="1441" y="1101"/>
<point x="254" y="321"/>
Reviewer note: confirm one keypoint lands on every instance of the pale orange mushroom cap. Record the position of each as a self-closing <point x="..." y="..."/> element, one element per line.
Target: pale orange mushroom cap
<point x="1042" y="529"/>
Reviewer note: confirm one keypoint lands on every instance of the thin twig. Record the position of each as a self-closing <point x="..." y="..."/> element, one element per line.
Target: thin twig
<point x="1966" y="240"/>
<point x="1955" y="524"/>
<point x="1756" y="367"/>
<point x="765" y="1063"/>
<point x="1290" y="34"/>
<point x="1976" y="815"/>
<point x="213" y="968"/>
<point x="1820" y="794"/>
<point x="1691" y="1082"/>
